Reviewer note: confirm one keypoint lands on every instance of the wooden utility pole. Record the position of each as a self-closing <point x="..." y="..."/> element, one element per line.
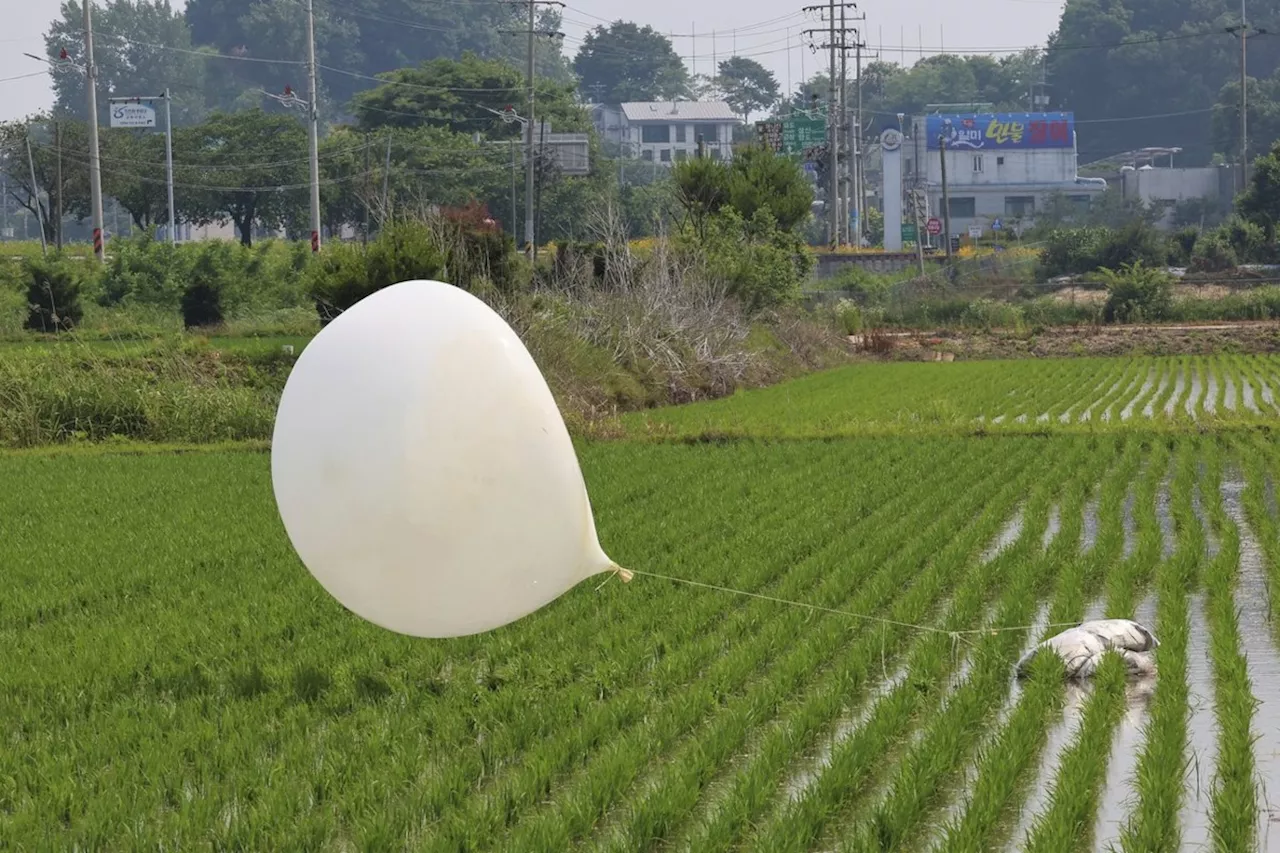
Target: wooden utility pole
<point x="946" y="198"/>
<point x="530" y="32"/>
<point x="836" y="184"/>
<point x="57" y="184"/>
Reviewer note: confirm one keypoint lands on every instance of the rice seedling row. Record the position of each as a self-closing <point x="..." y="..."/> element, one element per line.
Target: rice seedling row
<point x="938" y="757"/>
<point x="1005" y="764"/>
<point x="1233" y="815"/>
<point x="766" y="636"/>
<point x="576" y="812"/>
<point x="1154" y="823"/>
<point x="677" y="787"/>
<point x="854" y="760"/>
<point x="758" y="780"/>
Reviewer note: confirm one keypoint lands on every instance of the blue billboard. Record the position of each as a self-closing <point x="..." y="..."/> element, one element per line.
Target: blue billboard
<point x="1000" y="131"/>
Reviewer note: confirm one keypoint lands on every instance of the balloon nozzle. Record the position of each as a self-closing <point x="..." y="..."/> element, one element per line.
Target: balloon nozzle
<point x="625" y="574"/>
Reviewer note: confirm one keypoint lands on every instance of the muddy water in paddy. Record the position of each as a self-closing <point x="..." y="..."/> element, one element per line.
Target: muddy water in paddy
<point x="1119" y="789"/>
<point x="1052" y="528"/>
<point x="1229" y="395"/>
<point x="1149" y="410"/>
<point x="1087" y="414"/>
<point x="1252" y="603"/>
<point x="1211" y="393"/>
<point x="1194" y="396"/>
<point x="1246" y="397"/>
<point x="1202" y="733"/>
<point x="1061" y="733"/>
<point x="1264" y="391"/>
<point x="1111" y="407"/>
<point x="1006" y="537"/>
<point x="1130" y="526"/>
<point x="1178" y="387"/>
<point x="1127" y="411"/>
<point x="1089" y="528"/>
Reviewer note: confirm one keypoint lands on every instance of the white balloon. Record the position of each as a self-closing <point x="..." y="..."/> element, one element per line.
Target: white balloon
<point x="423" y="471"/>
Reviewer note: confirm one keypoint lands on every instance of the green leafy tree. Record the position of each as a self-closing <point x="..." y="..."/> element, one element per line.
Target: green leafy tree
<point x="760" y="179"/>
<point x="701" y="189"/>
<point x="42" y="199"/>
<point x="626" y="62"/>
<point x="755" y="180"/>
<point x="1260" y="204"/>
<point x="246" y="168"/>
<point x="359" y="39"/>
<point x="141" y="48"/>
<point x="748" y="86"/>
<point x="133" y="173"/>
<point x="461" y="95"/>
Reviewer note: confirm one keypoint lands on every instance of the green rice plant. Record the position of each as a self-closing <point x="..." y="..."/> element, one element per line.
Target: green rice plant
<point x="752" y="785"/>
<point x="1083" y="768"/>
<point x="1089" y="375"/>
<point x="1153" y="825"/>
<point x="626" y="754"/>
<point x="1124" y="383"/>
<point x="852" y="760"/>
<point x="938" y="757"/>
<point x="1234" y="811"/>
<point x="148" y="563"/>
<point x="474" y="822"/>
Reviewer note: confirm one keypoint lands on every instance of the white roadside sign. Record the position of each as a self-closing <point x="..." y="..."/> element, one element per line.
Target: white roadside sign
<point x="133" y="115"/>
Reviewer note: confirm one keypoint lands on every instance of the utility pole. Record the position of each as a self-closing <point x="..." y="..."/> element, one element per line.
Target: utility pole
<point x="843" y="138"/>
<point x="917" y="207"/>
<point x="835" y="115"/>
<point x="946" y="198"/>
<point x="168" y="165"/>
<point x="529" y="165"/>
<point x="1243" y="31"/>
<point x="313" y="128"/>
<point x="833" y="183"/>
<point x="859" y="194"/>
<point x="57" y="183"/>
<point x="35" y="197"/>
<point x="532" y="31"/>
<point x="95" y="164"/>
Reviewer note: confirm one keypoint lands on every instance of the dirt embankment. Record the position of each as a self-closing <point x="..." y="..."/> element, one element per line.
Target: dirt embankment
<point x="1077" y="341"/>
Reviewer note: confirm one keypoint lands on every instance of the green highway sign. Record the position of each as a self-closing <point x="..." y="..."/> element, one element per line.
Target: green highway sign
<point x="908" y="232"/>
<point x="801" y="132"/>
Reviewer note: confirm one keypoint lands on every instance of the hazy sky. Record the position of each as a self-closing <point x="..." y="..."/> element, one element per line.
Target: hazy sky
<point x="766" y="31"/>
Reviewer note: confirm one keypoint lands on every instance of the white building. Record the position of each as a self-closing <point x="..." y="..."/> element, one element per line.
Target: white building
<point x="1000" y="167"/>
<point x="666" y="132"/>
<point x="1150" y="176"/>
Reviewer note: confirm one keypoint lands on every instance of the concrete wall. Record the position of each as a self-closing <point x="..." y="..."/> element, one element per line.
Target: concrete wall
<point x="718" y="136"/>
<point x="1172" y="184"/>
<point x="830" y="263"/>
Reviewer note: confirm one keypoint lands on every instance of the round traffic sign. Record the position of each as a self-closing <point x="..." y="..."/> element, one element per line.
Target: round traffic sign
<point x="934" y="226"/>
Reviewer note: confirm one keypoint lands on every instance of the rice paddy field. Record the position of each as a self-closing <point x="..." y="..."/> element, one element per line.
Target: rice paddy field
<point x="172" y="678"/>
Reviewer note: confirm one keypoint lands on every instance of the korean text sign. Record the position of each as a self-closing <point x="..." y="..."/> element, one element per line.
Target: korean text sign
<point x="1001" y="131"/>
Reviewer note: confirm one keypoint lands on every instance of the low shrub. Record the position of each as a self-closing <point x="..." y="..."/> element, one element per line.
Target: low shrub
<point x="347" y="273"/>
<point x="202" y="297"/>
<point x="1136" y="293"/>
<point x="53" y="294"/>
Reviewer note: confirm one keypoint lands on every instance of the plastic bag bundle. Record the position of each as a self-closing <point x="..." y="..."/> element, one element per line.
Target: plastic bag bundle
<point x="1083" y="647"/>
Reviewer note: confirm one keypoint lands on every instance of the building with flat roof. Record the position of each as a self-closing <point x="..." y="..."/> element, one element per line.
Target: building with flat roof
<point x="1001" y="167"/>
<point x="666" y="132"/>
